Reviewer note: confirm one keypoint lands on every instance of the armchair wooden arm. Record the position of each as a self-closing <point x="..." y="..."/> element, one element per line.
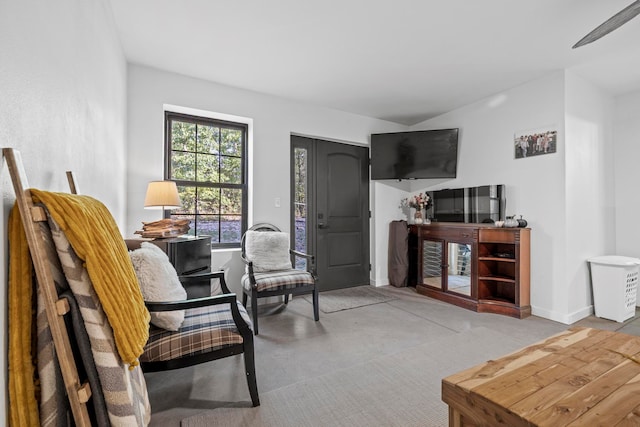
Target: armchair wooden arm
<point x="199" y="277"/>
<point x="155" y="306"/>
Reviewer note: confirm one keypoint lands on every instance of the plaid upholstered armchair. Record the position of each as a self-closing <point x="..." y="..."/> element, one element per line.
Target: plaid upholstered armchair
<point x="270" y="272"/>
<point x="186" y="332"/>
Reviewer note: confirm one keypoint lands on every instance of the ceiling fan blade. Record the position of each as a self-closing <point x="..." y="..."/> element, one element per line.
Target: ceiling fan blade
<point x="611" y="24"/>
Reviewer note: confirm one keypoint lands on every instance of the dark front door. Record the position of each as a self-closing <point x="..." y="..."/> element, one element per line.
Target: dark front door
<point x="337" y="225"/>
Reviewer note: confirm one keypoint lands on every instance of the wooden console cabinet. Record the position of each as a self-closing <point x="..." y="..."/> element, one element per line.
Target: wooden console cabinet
<point x="476" y="266"/>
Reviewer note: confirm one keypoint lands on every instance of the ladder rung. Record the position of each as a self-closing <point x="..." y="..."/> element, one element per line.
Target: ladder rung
<point x="38" y="214"/>
<point x="84" y="393"/>
<point x="62" y="306"/>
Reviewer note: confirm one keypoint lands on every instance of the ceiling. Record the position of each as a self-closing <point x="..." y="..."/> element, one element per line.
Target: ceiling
<point x="398" y="60"/>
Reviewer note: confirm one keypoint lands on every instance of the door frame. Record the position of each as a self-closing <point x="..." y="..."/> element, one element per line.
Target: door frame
<point x="308" y="143"/>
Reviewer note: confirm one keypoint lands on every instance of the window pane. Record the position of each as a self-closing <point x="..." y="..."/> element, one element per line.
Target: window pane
<point x="231" y="201"/>
<point x="208" y="200"/>
<point x="300" y="203"/>
<point x="208" y="139"/>
<point x="231" y="170"/>
<point x="183" y="166"/>
<point x="231" y="228"/>
<point x="183" y="136"/>
<point x="208" y="226"/>
<point x="231" y="142"/>
<point x="208" y="168"/>
<point x="188" y="199"/>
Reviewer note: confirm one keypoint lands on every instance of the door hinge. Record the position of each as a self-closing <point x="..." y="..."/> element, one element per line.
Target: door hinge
<point x="369" y="214"/>
<point x="369" y="266"/>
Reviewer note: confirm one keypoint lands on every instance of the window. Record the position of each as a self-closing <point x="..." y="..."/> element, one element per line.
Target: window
<point x="207" y="160"/>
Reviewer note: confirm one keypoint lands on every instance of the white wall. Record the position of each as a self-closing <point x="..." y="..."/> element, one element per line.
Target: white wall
<point x="537" y="187"/>
<point x="274" y="120"/>
<point x="589" y="189"/>
<point x="63" y="86"/>
<point x="627" y="175"/>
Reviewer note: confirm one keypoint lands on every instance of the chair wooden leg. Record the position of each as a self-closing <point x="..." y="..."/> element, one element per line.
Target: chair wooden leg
<point x="250" y="369"/>
<point x="316" y="311"/>
<point x="286" y="299"/>
<point x="254" y="311"/>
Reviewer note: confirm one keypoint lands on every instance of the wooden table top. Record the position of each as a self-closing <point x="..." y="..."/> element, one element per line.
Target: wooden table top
<point x="580" y="377"/>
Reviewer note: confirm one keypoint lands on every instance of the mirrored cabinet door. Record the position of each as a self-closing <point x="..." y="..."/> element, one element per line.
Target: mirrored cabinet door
<point x="432" y="263"/>
<point x="459" y="268"/>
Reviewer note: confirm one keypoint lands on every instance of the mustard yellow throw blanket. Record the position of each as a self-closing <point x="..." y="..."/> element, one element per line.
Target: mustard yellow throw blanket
<point x="96" y="239"/>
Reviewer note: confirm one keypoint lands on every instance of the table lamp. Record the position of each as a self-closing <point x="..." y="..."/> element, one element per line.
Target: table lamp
<point x="162" y="195"/>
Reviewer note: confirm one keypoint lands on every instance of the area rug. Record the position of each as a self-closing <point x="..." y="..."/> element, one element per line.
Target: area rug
<point x="397" y="390"/>
<point x="345" y="299"/>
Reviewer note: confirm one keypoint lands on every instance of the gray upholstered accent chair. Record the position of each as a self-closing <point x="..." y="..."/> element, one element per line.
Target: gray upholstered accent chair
<point x="270" y="269"/>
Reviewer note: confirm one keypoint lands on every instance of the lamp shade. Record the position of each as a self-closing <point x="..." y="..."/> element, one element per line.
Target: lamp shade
<point x="163" y="195"/>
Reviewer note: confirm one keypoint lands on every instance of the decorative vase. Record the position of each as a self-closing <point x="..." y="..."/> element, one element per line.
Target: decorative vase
<point x="522" y="222"/>
<point x="417" y="218"/>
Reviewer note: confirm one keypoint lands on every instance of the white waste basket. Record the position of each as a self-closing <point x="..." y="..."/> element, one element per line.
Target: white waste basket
<point x="614" y="280"/>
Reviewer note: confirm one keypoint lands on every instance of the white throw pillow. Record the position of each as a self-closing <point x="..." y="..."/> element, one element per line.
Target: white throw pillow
<point x="269" y="250"/>
<point x="158" y="282"/>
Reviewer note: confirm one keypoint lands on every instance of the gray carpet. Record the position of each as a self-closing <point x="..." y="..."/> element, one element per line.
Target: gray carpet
<point x="378" y="365"/>
<point x="400" y="389"/>
<point x="345" y="299"/>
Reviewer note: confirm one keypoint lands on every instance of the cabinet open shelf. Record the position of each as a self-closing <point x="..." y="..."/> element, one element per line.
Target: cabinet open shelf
<point x="498" y="279"/>
<point x="494" y="299"/>
<point x="500" y="259"/>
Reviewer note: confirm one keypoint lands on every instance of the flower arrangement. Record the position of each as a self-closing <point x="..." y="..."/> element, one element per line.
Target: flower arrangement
<point x="419" y="201"/>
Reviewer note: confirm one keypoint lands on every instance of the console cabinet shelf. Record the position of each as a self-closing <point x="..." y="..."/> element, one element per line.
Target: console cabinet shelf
<point x="476" y="266"/>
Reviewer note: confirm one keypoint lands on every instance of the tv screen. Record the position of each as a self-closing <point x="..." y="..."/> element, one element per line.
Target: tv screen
<point x="414" y="155"/>
<point x="475" y="204"/>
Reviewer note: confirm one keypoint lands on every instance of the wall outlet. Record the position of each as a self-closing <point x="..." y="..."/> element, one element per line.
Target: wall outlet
<point x="277" y="202"/>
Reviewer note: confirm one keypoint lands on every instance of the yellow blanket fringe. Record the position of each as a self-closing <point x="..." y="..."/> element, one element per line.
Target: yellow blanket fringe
<point x="95" y="238"/>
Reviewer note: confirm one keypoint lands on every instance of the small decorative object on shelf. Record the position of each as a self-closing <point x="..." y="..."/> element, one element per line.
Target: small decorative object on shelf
<point x="511" y="222"/>
<point x="420" y="202"/>
<point x="522" y="223"/>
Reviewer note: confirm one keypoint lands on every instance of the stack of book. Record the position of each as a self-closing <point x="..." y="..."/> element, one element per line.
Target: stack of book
<point x="164" y="228"/>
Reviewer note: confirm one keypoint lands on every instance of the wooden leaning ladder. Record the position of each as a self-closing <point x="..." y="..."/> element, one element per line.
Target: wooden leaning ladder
<point x="78" y="394"/>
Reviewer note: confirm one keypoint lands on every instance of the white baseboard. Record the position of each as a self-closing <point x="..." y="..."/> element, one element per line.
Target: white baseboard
<point x="566" y="318"/>
<point x="376" y="284"/>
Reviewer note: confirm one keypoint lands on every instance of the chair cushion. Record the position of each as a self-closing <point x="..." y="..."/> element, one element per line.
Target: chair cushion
<point x="279" y="280"/>
<point x="269" y="250"/>
<point x="204" y="329"/>
<point x="159" y="283"/>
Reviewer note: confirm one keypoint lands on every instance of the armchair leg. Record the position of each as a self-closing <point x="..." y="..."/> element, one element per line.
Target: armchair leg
<point x="244" y="299"/>
<point x="286" y="299"/>
<point x="316" y="311"/>
<point x="250" y="369"/>
<point x="254" y="311"/>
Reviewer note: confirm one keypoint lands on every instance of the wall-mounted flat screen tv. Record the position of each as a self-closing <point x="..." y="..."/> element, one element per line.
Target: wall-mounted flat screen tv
<point x="414" y="155"/>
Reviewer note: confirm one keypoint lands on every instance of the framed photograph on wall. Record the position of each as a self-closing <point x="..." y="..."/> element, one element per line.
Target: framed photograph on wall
<point x="535" y="142"/>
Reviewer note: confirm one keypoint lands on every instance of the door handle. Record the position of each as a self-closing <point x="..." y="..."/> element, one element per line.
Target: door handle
<point x="323" y="226"/>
